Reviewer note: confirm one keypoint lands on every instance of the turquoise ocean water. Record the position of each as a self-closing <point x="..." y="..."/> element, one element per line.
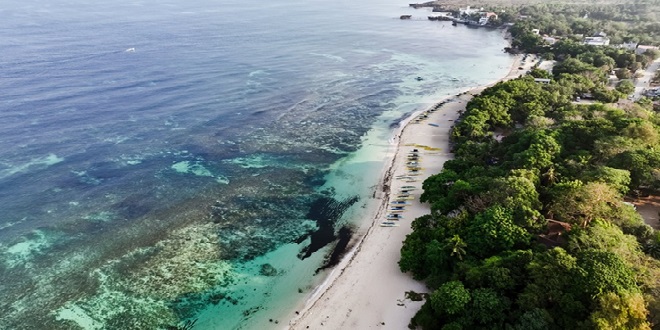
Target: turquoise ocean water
<point x="163" y="161"/>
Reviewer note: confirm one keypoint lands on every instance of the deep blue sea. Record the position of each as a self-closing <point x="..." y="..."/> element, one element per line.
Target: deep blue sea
<point x="165" y="161"/>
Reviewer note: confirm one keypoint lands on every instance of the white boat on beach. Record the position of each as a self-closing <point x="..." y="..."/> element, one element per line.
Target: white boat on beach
<point x="389" y="224"/>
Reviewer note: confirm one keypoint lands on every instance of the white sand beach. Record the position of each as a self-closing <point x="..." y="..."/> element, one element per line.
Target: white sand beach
<point x="367" y="290"/>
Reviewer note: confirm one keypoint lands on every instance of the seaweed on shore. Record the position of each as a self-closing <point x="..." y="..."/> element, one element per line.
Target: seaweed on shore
<point x="344" y="237"/>
<point x="326" y="212"/>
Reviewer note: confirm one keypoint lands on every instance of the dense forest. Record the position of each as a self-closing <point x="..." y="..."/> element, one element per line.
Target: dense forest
<point x="528" y="226"/>
<point x="637" y="21"/>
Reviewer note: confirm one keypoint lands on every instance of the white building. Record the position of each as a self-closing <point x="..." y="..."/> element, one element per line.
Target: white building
<point x="486" y="16"/>
<point x="628" y="45"/>
<point x="597" y="41"/>
<point x="467" y="11"/>
<point x="542" y="81"/>
<point x="641" y="49"/>
<point x="549" y="40"/>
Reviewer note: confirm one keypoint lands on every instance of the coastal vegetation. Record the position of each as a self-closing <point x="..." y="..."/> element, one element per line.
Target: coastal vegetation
<point x="530" y="231"/>
<point x="624" y="22"/>
<point x="528" y="226"/>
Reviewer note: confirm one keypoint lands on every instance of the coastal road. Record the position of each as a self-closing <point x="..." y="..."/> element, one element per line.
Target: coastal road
<point x="643" y="82"/>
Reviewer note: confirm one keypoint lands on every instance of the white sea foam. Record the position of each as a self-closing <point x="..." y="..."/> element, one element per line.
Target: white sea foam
<point x="329" y="56"/>
<point x="41" y="162"/>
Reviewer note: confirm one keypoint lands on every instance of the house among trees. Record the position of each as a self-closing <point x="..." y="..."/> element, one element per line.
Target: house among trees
<point x="641" y="49"/>
<point x="597" y="41"/>
<point x="467" y="11"/>
<point x="631" y="46"/>
<point x="486" y="16"/>
<point x="476" y="16"/>
<point x="549" y="40"/>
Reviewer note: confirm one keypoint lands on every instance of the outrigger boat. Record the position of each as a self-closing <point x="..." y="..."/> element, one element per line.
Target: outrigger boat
<point x="388" y="224"/>
<point x="405" y="177"/>
<point x="409" y="187"/>
<point x="394" y="216"/>
<point x="399" y="202"/>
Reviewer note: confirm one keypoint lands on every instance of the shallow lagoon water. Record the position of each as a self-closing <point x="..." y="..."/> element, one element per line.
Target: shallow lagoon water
<point x="162" y="161"/>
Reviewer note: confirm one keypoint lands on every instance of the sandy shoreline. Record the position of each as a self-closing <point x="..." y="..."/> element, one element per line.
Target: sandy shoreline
<point x="367" y="290"/>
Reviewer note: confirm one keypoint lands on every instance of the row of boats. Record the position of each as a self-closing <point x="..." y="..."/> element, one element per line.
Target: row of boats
<point x="404" y="196"/>
<point x="425" y="115"/>
<point x="413" y="162"/>
<point x="414" y="169"/>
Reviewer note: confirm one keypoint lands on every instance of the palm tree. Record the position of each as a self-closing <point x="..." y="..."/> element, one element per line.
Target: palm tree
<point x="457" y="247"/>
<point x="551" y="176"/>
